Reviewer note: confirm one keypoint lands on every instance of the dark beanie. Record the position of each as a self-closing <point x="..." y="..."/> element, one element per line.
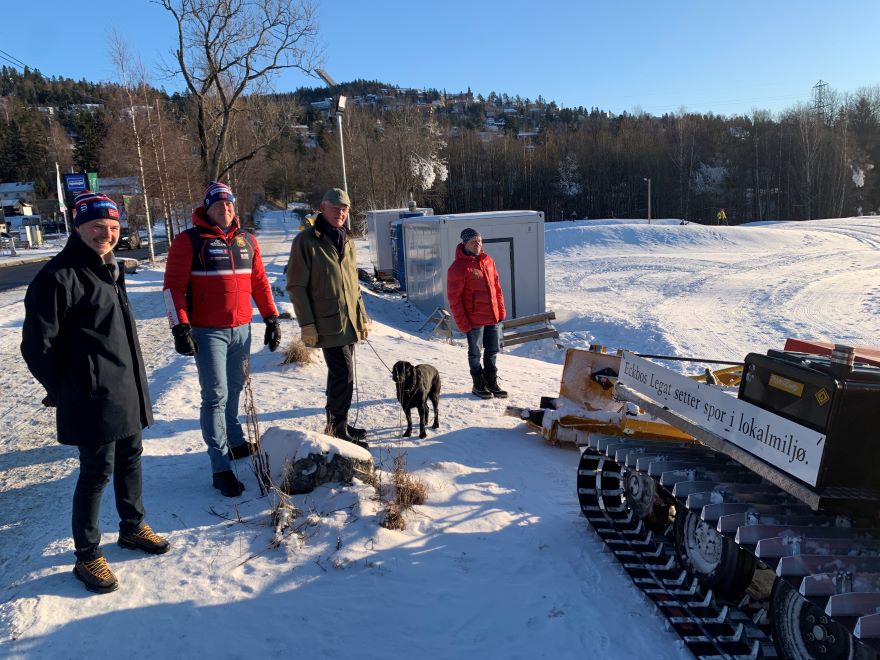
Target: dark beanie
<point x="89" y="206"/>
<point x="218" y="192"/>
<point x="468" y="234"/>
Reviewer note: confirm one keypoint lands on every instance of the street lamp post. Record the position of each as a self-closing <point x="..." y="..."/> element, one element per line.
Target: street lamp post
<point x="648" y="179"/>
<point x="339" y="109"/>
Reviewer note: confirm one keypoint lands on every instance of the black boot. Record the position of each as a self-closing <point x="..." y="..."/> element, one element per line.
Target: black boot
<point x="354" y="432"/>
<point x="338" y="428"/>
<point x="491" y="378"/>
<point x="479" y="388"/>
<point x="227" y="483"/>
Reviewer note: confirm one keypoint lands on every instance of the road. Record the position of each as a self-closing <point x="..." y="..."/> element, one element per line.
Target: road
<point x="22" y="274"/>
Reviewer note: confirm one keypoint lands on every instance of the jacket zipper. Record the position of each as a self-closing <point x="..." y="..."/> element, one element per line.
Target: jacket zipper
<point x="234" y="279"/>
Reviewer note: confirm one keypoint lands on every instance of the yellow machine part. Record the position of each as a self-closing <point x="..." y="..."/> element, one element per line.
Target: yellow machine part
<point x="729" y="376"/>
<point x="579" y="390"/>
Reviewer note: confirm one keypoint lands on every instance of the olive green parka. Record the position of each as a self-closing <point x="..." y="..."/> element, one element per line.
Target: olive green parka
<point x="323" y="287"/>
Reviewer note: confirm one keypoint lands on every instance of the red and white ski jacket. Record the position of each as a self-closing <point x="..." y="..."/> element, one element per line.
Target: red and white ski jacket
<point x="211" y="276"/>
<point x="474" y="291"/>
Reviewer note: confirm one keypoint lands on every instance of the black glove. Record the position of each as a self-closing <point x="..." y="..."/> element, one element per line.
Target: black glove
<point x="273" y="333"/>
<point x="183" y="340"/>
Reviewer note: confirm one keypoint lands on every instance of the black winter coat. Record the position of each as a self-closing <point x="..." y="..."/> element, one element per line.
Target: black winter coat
<point x="79" y="340"/>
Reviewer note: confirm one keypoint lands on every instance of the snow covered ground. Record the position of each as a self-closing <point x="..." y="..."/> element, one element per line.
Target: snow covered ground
<point x="497" y="563"/>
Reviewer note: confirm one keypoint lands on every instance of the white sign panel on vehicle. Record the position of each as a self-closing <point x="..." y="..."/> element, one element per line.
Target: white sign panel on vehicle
<point x="787" y="445"/>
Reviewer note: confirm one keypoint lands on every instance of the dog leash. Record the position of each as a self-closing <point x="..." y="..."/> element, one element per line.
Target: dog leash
<point x="397" y="386"/>
<point x="357" y="407"/>
<point x="378" y="356"/>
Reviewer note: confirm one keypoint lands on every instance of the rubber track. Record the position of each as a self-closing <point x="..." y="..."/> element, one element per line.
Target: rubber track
<point x="707" y="629"/>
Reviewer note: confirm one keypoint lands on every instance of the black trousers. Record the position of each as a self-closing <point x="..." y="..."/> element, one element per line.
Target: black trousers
<point x="340" y="379"/>
<point x="120" y="459"/>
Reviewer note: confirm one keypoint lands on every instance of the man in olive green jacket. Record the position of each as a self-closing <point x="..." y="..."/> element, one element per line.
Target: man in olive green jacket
<point x="323" y="285"/>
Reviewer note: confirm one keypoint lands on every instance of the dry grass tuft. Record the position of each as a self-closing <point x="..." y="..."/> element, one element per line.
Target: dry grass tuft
<point x="409" y="489"/>
<point x="392" y="518"/>
<point x="297" y="353"/>
<point x="404" y="492"/>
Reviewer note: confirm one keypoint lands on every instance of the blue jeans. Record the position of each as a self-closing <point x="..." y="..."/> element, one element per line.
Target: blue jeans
<point x="221" y="360"/>
<point x="488" y="340"/>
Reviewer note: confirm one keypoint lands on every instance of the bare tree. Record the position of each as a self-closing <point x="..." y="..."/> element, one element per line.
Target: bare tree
<point x="131" y="77"/>
<point x="808" y="130"/>
<point x="228" y="50"/>
<point x="394" y="154"/>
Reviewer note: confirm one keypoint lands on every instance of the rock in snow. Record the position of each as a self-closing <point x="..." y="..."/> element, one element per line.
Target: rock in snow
<point x="300" y="461"/>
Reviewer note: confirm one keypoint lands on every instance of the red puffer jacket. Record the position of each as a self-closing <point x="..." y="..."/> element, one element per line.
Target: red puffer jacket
<point x="211" y="276"/>
<point x="474" y="290"/>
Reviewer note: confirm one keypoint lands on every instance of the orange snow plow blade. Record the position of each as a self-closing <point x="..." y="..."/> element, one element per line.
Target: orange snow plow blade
<point x="585" y="404"/>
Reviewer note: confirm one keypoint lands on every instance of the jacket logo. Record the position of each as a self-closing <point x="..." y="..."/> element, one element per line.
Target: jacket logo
<point x="239" y="241"/>
<point x="476" y="272"/>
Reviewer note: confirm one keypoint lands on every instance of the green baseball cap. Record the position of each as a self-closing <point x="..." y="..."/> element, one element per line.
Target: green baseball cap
<point x="336" y="196"/>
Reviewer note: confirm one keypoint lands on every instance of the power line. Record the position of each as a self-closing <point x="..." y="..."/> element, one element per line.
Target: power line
<point x="12" y="59"/>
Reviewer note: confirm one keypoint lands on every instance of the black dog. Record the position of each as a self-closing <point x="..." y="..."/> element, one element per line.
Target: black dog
<point x="415" y="386"/>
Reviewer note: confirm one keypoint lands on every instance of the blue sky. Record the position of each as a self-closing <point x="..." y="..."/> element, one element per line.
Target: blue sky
<point x="630" y="54"/>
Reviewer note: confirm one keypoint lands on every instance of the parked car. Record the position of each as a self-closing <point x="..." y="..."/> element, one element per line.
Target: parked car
<point x="129" y="242"/>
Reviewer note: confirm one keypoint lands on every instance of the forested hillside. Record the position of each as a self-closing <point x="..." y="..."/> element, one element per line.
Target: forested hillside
<point x="458" y="152"/>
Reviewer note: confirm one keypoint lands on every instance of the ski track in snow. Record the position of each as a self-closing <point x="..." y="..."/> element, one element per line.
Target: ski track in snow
<point x="811" y="279"/>
<point x="497" y="562"/>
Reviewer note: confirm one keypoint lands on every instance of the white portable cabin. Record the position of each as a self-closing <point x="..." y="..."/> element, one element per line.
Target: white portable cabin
<point x="379" y="235"/>
<point x="514" y="239"/>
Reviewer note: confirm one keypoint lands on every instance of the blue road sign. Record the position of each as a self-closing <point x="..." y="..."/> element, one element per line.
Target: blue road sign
<point x="75" y="183"/>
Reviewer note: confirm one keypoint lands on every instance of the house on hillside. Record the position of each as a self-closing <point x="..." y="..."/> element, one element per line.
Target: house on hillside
<point x="117" y="187"/>
<point x="18" y="190"/>
<point x="16" y="206"/>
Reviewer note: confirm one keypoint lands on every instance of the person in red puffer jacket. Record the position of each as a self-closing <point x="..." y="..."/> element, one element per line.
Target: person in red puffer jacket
<point x="477" y="305"/>
<point x="213" y="271"/>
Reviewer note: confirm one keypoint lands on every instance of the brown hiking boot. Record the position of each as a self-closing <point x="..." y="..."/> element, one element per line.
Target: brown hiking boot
<point x="96" y="575"/>
<point x="144" y="538"/>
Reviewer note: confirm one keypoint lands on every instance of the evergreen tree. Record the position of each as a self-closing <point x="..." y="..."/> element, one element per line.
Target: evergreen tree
<point x="90" y="132"/>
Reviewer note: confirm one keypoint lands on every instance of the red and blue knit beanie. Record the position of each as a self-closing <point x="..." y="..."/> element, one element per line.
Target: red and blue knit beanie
<point x="88" y="206"/>
<point x="218" y="192"/>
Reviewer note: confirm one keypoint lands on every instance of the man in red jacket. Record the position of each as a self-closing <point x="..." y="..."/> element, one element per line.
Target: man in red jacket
<point x="477" y="305"/>
<point x="213" y="270"/>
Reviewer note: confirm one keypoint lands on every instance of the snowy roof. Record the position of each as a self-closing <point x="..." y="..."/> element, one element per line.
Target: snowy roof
<point x="10" y="189"/>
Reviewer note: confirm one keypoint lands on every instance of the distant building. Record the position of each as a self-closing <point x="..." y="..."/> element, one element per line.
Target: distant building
<point x="18" y="190"/>
<point x="116" y="187"/>
<point x="15" y="206"/>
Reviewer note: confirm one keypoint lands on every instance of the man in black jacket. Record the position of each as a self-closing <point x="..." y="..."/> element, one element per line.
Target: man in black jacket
<point x="79" y="340"/>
